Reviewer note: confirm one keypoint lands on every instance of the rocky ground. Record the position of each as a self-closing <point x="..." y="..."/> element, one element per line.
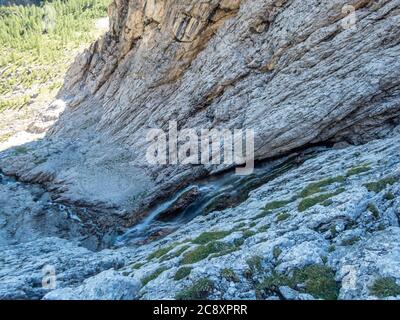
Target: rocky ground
<point x="328" y="229"/>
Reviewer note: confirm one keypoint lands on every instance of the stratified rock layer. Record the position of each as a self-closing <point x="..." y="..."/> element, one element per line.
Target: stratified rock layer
<point x="296" y="72"/>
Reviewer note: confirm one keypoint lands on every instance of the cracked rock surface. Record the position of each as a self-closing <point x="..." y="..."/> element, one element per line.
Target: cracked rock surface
<point x="325" y="230"/>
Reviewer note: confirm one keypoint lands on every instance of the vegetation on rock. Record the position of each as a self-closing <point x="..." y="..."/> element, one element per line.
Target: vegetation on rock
<point x="199" y="290"/>
<point x="385" y="287"/>
<point x="182" y="273"/>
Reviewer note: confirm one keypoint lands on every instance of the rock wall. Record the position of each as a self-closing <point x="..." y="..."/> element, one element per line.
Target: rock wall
<point x="291" y="70"/>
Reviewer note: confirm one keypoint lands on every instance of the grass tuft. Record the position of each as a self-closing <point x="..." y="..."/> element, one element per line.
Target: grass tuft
<point x="310" y="202"/>
<point x="380" y="185"/>
<point x="202" y="252"/>
<point x="153" y="275"/>
<point x="374" y="210"/>
<point x="207" y="237"/>
<point x="200" y="290"/>
<point x="316" y="187"/>
<point x="182" y="273"/>
<point x="358" y="170"/>
<point x="229" y="275"/>
<point x="317" y="280"/>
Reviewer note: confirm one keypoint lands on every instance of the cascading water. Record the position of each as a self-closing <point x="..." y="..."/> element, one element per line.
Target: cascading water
<point x="215" y="193"/>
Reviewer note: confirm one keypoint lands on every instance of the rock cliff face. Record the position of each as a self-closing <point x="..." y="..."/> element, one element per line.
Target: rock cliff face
<point x="300" y="73"/>
<point x="296" y="72"/>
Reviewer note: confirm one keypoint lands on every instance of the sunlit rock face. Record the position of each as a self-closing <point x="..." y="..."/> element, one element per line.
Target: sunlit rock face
<point x="295" y="72"/>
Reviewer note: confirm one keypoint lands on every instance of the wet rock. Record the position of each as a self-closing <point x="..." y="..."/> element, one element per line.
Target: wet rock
<point x="186" y="199"/>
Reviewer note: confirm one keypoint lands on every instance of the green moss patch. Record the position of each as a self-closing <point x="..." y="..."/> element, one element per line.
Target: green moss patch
<point x="316" y="187"/>
<point x="263" y="214"/>
<point x="202" y="252"/>
<point x="137" y="266"/>
<point x="162" y="251"/>
<point x="207" y="237"/>
<point x="277" y="204"/>
<point x="389" y="196"/>
<point x="239" y="226"/>
<point x="175" y="254"/>
<point x="358" y="170"/>
<point x="380" y="185"/>
<point x="182" y="273"/>
<point x="263" y="228"/>
<point x="248" y="234"/>
<point x="20" y="150"/>
<point x="153" y="275"/>
<point x="310" y="202"/>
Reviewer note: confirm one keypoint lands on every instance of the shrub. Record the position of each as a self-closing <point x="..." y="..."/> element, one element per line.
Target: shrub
<point x="385" y="287"/>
